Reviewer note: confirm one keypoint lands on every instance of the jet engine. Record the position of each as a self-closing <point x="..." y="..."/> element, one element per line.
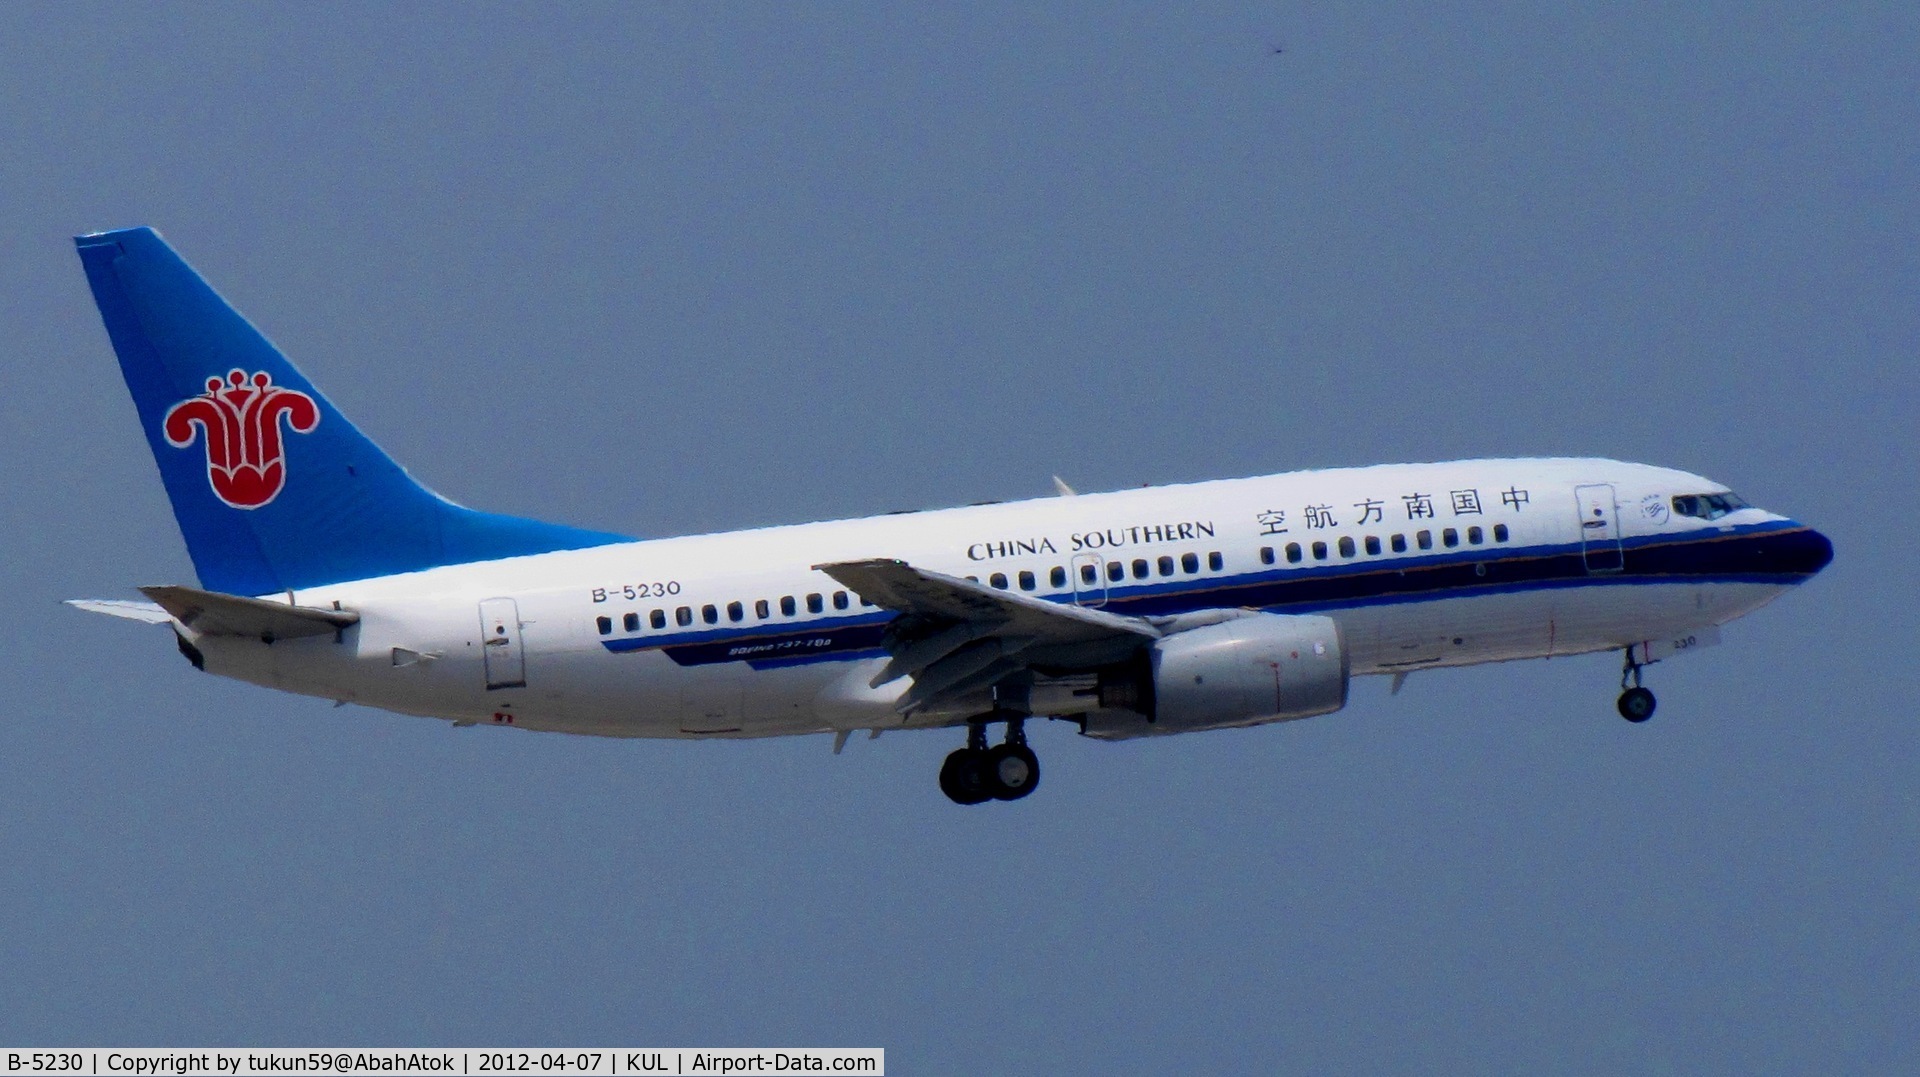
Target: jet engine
<point x="1249" y="670"/>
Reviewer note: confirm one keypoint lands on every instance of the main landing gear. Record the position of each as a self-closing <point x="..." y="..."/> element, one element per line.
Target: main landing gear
<point x="976" y="774"/>
<point x="1636" y="703"/>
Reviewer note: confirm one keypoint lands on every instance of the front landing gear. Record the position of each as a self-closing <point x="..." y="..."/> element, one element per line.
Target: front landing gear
<point x="976" y="773"/>
<point x="1636" y="703"/>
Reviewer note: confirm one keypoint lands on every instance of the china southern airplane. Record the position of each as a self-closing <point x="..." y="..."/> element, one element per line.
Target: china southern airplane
<point x="326" y="570"/>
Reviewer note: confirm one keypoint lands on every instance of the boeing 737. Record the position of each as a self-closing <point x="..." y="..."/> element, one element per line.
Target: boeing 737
<point x="326" y="570"/>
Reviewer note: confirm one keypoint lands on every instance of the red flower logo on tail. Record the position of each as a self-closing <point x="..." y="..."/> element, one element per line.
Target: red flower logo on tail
<point x="240" y="417"/>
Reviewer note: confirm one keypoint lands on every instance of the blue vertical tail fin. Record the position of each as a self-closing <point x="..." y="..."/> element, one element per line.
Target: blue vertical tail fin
<point x="273" y="488"/>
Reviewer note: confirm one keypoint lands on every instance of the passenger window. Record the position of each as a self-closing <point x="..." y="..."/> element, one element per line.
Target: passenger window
<point x="1189" y="562"/>
<point x="1449" y="538"/>
<point x="1474" y="536"/>
<point x="761" y="610"/>
<point x="1399" y="544"/>
<point x="1058" y="577"/>
<point x="1293" y="553"/>
<point x="1166" y="565"/>
<point x="605" y="624"/>
<point x="839" y="600"/>
<point x="710" y="614"/>
<point x="683" y="616"/>
<point x="1346" y="546"/>
<point x="1215" y="561"/>
<point x="998" y="579"/>
<point x="1026" y="580"/>
<point x="1140" y="568"/>
<point x="658" y="618"/>
<point x="1424" y="539"/>
<point x="1266" y="555"/>
<point x="1089" y="573"/>
<point x="735" y="612"/>
<point x="631" y="622"/>
<point x="787" y="607"/>
<point x="814" y="603"/>
<point x="1499" y="532"/>
<point x="1319" y="551"/>
<point x="1116" y="571"/>
<point x="1373" y="545"/>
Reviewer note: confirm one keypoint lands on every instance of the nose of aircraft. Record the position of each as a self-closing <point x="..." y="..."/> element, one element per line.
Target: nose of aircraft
<point x="1803" y="551"/>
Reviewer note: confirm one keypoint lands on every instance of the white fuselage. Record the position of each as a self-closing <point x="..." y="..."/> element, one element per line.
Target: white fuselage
<point x="1422" y="565"/>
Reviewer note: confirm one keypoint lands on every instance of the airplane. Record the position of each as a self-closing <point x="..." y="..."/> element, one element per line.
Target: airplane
<point x="324" y="569"/>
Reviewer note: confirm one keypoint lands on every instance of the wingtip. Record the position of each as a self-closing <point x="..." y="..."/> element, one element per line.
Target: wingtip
<point x="870" y="562"/>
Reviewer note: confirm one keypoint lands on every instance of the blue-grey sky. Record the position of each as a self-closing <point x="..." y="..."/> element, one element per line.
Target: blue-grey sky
<point x="669" y="269"/>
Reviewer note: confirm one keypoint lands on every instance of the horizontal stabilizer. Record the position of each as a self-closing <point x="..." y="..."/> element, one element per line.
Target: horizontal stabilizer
<point x="211" y="613"/>
<point x="145" y="612"/>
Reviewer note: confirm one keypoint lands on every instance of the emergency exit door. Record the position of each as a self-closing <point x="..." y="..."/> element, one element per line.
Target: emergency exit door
<point x="500" y="645"/>
<point x="1089" y="580"/>
<point x="1599" y="527"/>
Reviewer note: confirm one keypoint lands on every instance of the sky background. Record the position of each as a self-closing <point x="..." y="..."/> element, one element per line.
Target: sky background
<point x="672" y="269"/>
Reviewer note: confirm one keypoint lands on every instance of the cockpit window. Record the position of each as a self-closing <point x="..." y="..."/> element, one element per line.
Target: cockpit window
<point x="1707" y="506"/>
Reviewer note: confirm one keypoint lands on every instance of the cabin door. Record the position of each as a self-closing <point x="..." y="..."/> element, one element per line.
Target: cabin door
<point x="505" y="657"/>
<point x="1599" y="528"/>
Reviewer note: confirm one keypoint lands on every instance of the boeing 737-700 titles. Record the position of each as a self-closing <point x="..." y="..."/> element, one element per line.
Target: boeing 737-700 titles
<point x="324" y="569"/>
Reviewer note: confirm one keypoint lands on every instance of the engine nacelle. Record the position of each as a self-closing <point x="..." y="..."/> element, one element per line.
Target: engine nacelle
<point x="1250" y="670"/>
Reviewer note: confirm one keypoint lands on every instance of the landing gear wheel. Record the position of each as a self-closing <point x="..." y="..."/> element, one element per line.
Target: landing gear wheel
<point x="963" y="777"/>
<point x="1011" y="771"/>
<point x="1636" y="704"/>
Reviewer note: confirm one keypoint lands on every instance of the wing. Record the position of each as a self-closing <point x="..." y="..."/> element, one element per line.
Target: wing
<point x="955" y="637"/>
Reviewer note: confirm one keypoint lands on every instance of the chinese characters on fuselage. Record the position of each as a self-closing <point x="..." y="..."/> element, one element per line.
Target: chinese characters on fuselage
<point x="1416" y="505"/>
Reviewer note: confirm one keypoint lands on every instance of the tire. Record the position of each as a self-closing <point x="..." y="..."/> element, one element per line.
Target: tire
<point x="1636" y="704"/>
<point x="1012" y="771"/>
<point x="963" y="777"/>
